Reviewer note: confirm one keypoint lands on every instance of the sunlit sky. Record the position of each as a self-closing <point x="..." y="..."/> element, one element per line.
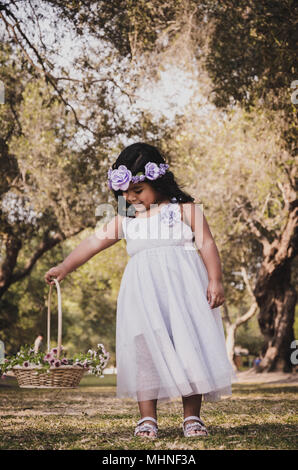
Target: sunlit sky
<point x="167" y="96"/>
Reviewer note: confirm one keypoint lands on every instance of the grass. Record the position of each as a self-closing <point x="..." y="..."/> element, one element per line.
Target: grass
<point x="257" y="416"/>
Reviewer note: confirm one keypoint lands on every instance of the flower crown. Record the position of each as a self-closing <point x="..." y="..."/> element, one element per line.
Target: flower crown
<point x="122" y="176"/>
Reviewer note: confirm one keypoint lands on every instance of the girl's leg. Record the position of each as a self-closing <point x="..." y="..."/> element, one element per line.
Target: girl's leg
<point x="192" y="407"/>
<point x="147" y="408"/>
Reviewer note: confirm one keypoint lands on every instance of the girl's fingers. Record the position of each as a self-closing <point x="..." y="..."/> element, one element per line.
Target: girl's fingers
<point x="213" y="299"/>
<point x="219" y="302"/>
<point x="208" y="296"/>
<point x="216" y="301"/>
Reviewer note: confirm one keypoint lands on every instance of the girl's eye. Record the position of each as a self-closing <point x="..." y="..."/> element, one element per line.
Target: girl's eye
<point x="138" y="192"/>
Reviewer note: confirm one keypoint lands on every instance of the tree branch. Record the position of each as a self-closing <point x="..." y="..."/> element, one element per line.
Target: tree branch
<point x="44" y="246"/>
<point x="41" y="70"/>
<point x="247" y="283"/>
<point x="250" y="313"/>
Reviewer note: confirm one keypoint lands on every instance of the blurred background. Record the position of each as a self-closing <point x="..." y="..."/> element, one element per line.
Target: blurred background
<point x="214" y="86"/>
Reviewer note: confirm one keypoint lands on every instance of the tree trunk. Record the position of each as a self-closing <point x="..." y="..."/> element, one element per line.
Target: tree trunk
<point x="230" y="343"/>
<point x="276" y="299"/>
<point x="231" y="327"/>
<point x="275" y="295"/>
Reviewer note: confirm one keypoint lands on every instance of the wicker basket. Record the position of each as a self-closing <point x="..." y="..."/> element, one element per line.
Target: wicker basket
<point x="61" y="377"/>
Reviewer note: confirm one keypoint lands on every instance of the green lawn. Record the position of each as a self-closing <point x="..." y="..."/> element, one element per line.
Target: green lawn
<point x="91" y="417"/>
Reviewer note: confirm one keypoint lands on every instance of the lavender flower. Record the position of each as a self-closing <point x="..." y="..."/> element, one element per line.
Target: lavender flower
<point x="120" y="178"/>
<point x="152" y="171"/>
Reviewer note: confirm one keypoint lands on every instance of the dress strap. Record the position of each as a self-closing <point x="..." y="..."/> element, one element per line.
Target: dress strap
<point x="181" y="211"/>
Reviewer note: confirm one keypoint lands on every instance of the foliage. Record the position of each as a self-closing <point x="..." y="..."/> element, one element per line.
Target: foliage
<point x="249" y="336"/>
<point x="89" y="297"/>
<point x="252" y="52"/>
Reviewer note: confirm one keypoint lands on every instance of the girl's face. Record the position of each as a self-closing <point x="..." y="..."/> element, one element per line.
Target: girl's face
<point x="141" y="196"/>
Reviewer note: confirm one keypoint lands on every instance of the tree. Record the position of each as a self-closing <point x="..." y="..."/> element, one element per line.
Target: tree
<point x="36" y="211"/>
<point x="251" y="62"/>
<point x="232" y="326"/>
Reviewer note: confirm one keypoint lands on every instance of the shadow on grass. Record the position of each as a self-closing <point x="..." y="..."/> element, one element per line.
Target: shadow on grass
<point x="244" y="389"/>
<point x="277" y="436"/>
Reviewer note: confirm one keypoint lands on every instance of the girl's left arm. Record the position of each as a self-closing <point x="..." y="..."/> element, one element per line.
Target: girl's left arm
<point x="208" y="250"/>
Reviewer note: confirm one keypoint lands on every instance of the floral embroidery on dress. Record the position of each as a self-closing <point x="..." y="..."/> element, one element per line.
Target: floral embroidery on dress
<point x="170" y="214"/>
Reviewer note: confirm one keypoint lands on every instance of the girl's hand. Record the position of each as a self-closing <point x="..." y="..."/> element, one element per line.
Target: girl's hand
<point x="215" y="293"/>
<point x="57" y="271"/>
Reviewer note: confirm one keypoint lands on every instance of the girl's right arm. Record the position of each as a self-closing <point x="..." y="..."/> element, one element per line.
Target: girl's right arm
<point x="104" y="237"/>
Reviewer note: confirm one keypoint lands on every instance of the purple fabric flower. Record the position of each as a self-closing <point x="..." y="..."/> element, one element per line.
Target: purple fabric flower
<point x="163" y="168"/>
<point x="170" y="214"/>
<point x="120" y="178"/>
<point x="64" y="361"/>
<point x="57" y="363"/>
<point x="152" y="171"/>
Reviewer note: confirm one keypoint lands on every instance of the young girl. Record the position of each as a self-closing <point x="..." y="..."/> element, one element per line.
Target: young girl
<point x="169" y="334"/>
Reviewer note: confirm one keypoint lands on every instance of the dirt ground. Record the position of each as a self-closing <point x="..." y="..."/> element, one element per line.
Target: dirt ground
<point x="250" y="376"/>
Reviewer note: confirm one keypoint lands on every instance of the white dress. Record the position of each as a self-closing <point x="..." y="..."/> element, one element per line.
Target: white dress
<point x="169" y="342"/>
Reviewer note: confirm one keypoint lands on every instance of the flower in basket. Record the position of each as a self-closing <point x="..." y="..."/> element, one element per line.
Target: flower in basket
<point x="94" y="361"/>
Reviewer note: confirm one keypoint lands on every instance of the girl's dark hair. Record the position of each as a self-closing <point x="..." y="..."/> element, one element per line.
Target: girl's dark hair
<point x="135" y="157"/>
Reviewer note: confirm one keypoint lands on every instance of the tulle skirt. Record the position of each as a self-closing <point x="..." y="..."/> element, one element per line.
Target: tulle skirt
<point x="169" y="342"/>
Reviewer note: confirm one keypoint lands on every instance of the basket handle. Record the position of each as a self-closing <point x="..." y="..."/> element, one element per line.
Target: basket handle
<point x="59" y="317"/>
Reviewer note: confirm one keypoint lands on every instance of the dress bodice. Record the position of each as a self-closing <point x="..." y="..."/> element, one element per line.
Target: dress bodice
<point x="165" y="228"/>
